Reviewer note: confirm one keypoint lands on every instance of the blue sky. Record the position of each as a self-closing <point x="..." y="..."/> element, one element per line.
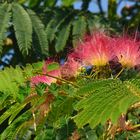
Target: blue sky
<point x="94" y="7"/>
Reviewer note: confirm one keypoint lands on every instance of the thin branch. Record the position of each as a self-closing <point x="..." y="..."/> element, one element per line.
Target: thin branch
<point x="100" y="6"/>
<point x="120" y="1"/>
<point x="71" y="83"/>
<point x="119" y="73"/>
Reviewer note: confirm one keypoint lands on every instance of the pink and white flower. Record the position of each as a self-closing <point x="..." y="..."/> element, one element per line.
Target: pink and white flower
<point x="127" y="51"/>
<point x="95" y="50"/>
<point x="44" y="78"/>
<point x="70" y="68"/>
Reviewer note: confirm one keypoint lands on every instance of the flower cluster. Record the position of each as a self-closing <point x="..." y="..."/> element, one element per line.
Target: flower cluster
<point x="99" y="49"/>
<point x="96" y="50"/>
<point x="127" y="51"/>
<point x="42" y="78"/>
<point x="68" y="70"/>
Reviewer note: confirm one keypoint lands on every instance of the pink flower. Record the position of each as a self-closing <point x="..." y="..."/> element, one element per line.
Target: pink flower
<point x="95" y="50"/>
<point x="45" y="79"/>
<point x="41" y="79"/>
<point x="70" y="68"/>
<point x="127" y="51"/>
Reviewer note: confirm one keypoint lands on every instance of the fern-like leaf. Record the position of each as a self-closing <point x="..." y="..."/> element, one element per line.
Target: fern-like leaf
<point x="8" y="112"/>
<point x="5" y="14"/>
<point x="54" y="24"/>
<point x="40" y="31"/>
<point x="65" y="109"/>
<point x="22" y="129"/>
<point x="67" y="2"/>
<point x="15" y="112"/>
<point x="10" y="80"/>
<point x="50" y="30"/>
<point x="79" y="29"/>
<point x="62" y="38"/>
<point x="45" y="134"/>
<point x="13" y="78"/>
<point x="107" y="101"/>
<point x="11" y="131"/>
<point x="23" y="28"/>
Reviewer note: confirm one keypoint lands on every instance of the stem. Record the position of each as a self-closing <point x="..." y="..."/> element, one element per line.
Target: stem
<point x="66" y="81"/>
<point x="135" y="126"/>
<point x="119" y="73"/>
<point x="85" y="4"/>
<point x="94" y="72"/>
<point x="93" y="75"/>
<point x="135" y="106"/>
<point x="119" y="2"/>
<point x="34" y="121"/>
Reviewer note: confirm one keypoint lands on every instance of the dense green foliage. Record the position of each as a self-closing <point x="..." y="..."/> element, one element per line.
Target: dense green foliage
<point x="93" y="103"/>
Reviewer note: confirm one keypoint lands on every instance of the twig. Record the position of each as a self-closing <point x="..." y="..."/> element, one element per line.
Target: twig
<point x="119" y="73"/>
<point x="71" y="83"/>
<point x="135" y="126"/>
<point x="100" y="7"/>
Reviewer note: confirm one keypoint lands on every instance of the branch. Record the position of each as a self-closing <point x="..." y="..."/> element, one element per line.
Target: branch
<point x="71" y="83"/>
<point x="100" y="6"/>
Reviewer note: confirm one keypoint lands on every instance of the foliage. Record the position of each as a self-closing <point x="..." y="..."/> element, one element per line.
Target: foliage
<point x="39" y="29"/>
<point x="13" y="81"/>
<point x="22" y="24"/>
<point x="4" y="16"/>
<point x="23" y="30"/>
<point x="46" y="113"/>
<point x="109" y="100"/>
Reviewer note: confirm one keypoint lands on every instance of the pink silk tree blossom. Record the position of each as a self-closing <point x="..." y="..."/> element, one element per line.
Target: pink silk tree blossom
<point x="45" y="79"/>
<point x="95" y="50"/>
<point x="70" y="68"/>
<point x="127" y="51"/>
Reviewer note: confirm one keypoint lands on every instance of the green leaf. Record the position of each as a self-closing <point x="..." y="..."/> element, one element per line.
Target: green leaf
<point x="3" y="98"/>
<point x="15" y="112"/>
<point x="11" y="131"/>
<point x="107" y="100"/>
<point x="112" y="9"/>
<point x="38" y="66"/>
<point x="5" y="14"/>
<point x="40" y="89"/>
<point x="10" y="80"/>
<point x="65" y="110"/>
<point x="67" y="2"/>
<point x="97" y="24"/>
<point x="34" y="3"/>
<point x="50" y="30"/>
<point x="23" y="28"/>
<point x="134" y="22"/>
<point x="45" y="134"/>
<point x="79" y="29"/>
<point x="21" y="1"/>
<point x="59" y="18"/>
<point x="52" y="66"/>
<point x="40" y="31"/>
<point x="62" y="38"/>
<point x="14" y="78"/>
<point x="50" y="3"/>
<point x="8" y="112"/>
